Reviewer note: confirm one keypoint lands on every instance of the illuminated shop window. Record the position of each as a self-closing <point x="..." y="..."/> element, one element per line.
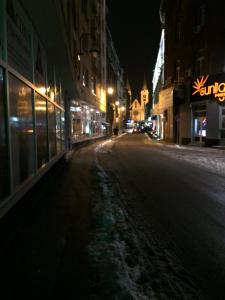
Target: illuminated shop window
<point x="41" y="130"/>
<point x="22" y="133"/>
<point x="52" y="129"/>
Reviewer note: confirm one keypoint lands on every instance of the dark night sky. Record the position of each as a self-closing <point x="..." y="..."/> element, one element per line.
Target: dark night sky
<point x="135" y="28"/>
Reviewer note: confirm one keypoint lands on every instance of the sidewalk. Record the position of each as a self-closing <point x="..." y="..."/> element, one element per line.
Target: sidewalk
<point x="162" y="142"/>
<point x="44" y="237"/>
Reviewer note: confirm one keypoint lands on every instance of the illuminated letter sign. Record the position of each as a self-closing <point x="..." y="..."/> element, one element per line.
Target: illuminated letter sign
<point x="210" y="87"/>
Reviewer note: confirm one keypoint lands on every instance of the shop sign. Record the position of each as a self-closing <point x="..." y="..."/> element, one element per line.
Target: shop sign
<point x="209" y="86"/>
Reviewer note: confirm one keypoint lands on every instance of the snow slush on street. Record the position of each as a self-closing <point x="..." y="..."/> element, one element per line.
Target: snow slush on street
<point x="127" y="260"/>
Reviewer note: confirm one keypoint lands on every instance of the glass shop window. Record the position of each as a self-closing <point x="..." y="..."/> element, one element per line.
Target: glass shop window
<point x="52" y="129"/>
<point x="58" y="131"/>
<point x="4" y="167"/>
<point x="41" y="130"/>
<point x="22" y="133"/>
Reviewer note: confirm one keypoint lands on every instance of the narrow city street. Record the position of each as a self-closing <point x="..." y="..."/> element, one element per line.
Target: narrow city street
<point x="124" y="218"/>
<point x="112" y="150"/>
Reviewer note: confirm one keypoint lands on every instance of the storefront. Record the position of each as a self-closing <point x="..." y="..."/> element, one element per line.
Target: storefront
<point x="208" y="109"/>
<point x="165" y="117"/>
<point x="31" y="107"/>
<point x="222" y="123"/>
<point x="199" y="122"/>
<point x="86" y="121"/>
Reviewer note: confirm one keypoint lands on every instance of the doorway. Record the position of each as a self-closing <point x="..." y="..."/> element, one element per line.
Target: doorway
<point x="199" y="123"/>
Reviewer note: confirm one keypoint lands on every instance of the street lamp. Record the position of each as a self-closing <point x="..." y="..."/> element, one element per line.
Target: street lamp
<point x="110" y="90"/>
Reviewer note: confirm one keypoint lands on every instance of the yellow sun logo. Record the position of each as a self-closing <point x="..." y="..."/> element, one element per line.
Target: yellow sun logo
<point x="199" y="83"/>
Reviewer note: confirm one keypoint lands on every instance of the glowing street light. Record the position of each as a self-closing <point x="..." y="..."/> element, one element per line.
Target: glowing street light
<point x="110" y="90"/>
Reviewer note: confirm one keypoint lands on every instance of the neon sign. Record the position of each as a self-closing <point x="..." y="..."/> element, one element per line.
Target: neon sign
<point x="216" y="89"/>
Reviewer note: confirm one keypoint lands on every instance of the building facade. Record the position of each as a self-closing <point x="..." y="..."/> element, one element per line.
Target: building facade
<point x="32" y="110"/>
<point x="138" y="108"/>
<point x="189" y="104"/>
<point x="116" y="98"/>
<point x="157" y="116"/>
<point x="86" y="33"/>
<point x="52" y="86"/>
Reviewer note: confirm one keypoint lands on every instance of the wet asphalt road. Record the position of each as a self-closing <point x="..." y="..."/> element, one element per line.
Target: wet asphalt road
<point x="184" y="203"/>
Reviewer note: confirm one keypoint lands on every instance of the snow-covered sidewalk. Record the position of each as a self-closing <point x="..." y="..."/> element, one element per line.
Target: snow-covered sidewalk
<point x="210" y="159"/>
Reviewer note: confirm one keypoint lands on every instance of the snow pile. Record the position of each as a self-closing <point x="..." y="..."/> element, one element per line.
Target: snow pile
<point x="115" y="275"/>
<point x="209" y="159"/>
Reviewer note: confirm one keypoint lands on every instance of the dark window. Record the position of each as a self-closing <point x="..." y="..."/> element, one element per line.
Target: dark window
<point x="86" y="78"/>
<point x="200" y="17"/>
<point x="84" y="6"/>
<point x="177" y="70"/>
<point x="178" y="31"/>
<point x="165" y="115"/>
<point x="200" y="65"/>
<point x="202" y="14"/>
<point x="85" y="43"/>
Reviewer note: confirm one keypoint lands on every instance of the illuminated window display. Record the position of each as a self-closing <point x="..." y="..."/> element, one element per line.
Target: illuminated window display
<point x="52" y="129"/>
<point x="86" y="122"/>
<point x="58" y="131"/>
<point x="200" y="121"/>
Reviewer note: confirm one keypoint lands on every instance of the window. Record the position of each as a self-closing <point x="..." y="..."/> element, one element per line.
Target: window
<point x="223" y="118"/>
<point x="200" y="121"/>
<point x="51" y="129"/>
<point x="178" y="31"/>
<point x="86" y="78"/>
<point x="223" y="123"/>
<point x="41" y="130"/>
<point x="58" y="131"/>
<point x="200" y="18"/>
<point x="84" y="6"/>
<point x="93" y="85"/>
<point x="177" y="71"/>
<point x="22" y="133"/>
<point x="83" y="78"/>
<point x="4" y="168"/>
<point x="200" y="63"/>
<point x="188" y="72"/>
<point x="202" y="15"/>
<point x="85" y="46"/>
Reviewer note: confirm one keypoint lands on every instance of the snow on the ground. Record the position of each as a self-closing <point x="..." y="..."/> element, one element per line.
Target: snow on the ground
<point x="211" y="159"/>
<point x="126" y="263"/>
